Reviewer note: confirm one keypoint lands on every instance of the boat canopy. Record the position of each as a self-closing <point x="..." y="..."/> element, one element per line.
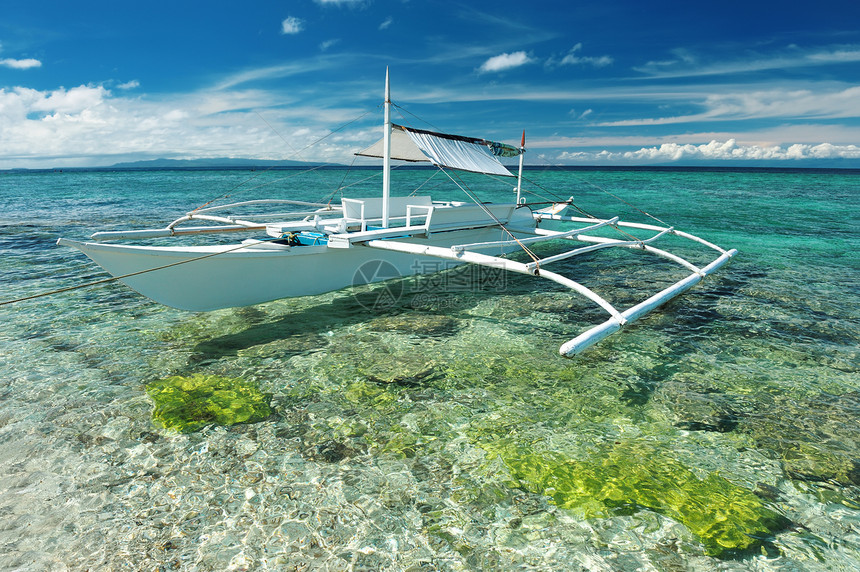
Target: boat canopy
<point x="444" y="150"/>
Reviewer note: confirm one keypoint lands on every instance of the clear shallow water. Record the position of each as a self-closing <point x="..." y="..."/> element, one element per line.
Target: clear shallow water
<point x="443" y="433"/>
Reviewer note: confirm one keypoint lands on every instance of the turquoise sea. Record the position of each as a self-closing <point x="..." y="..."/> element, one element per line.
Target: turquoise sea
<point x="441" y="430"/>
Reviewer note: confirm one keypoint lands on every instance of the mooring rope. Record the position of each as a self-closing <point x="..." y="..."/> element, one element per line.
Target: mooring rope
<point x="232" y="190"/>
<point x="463" y="187"/>
<point x="590" y="215"/>
<point x="295" y="153"/>
<point x="129" y="275"/>
<point x="474" y="199"/>
<point x="599" y="188"/>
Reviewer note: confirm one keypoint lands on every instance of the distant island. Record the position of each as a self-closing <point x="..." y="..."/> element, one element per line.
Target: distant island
<point x="220" y="163"/>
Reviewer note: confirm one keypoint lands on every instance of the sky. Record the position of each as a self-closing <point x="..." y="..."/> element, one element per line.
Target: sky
<point x="758" y="82"/>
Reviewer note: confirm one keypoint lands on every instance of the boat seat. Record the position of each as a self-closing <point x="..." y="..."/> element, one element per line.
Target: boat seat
<point x="368" y="209"/>
<point x="471" y="215"/>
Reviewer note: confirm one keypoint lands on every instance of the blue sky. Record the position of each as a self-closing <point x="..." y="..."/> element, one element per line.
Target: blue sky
<point x="599" y="83"/>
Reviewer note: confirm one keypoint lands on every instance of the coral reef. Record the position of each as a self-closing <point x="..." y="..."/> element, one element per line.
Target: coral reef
<point x="187" y="404"/>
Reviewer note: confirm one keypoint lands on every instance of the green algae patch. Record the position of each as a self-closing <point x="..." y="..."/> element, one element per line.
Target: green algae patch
<point x="728" y="519"/>
<point x="370" y="395"/>
<point x="187" y="404"/>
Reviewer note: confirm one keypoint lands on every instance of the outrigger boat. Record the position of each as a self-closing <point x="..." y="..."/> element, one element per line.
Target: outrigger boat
<point x="322" y="247"/>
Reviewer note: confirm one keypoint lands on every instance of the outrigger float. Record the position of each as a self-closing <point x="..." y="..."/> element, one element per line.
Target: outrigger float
<point x="319" y="247"/>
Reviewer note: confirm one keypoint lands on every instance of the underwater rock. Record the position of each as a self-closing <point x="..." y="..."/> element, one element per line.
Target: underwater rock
<point x="553" y="303"/>
<point x="507" y="308"/>
<point x="332" y="451"/>
<point x="289" y="346"/>
<point x="398" y="370"/>
<point x="402" y="378"/>
<point x="698" y="408"/>
<point x="260" y="342"/>
<point x="728" y="519"/>
<point x="187" y="404"/>
<point x="810" y="462"/>
<point x="810" y="436"/>
<point x="251" y="314"/>
<point x="363" y="357"/>
<point x="418" y="323"/>
<point x="768" y="492"/>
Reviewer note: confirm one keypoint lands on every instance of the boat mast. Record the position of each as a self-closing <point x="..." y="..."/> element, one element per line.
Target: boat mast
<point x="386" y="154"/>
<point x="520" y="175"/>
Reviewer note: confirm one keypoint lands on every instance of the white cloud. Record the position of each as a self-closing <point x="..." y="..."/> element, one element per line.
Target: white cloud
<point x="340" y="2"/>
<point x="835" y="56"/>
<point x="781" y="103"/>
<point x="386" y="24"/>
<point x="292" y="25"/>
<point x="328" y="43"/>
<point x="129" y="85"/>
<point x="717" y="150"/>
<point x="24" y="64"/>
<point x="688" y="64"/>
<point x="175" y="115"/>
<point x="279" y="71"/>
<point x="505" y="62"/>
<point x="571" y="58"/>
<point x="810" y="134"/>
<point x="72" y="101"/>
<point x="579" y="115"/>
<point x="91" y="126"/>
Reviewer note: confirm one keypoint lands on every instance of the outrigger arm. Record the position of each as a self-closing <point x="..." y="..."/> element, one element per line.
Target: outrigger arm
<point x="493" y="262"/>
<point x="590" y="337"/>
<point x="467" y="253"/>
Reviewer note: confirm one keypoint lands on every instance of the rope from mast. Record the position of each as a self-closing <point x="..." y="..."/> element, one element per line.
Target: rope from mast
<point x="131" y="274"/>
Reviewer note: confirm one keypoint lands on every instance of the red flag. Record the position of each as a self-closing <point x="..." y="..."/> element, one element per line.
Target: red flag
<point x="523" y="142"/>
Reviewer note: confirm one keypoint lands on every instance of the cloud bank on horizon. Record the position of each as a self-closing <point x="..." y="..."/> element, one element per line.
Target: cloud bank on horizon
<point x="651" y="86"/>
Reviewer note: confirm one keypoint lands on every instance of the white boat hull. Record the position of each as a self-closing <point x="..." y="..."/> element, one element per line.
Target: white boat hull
<point x="208" y="278"/>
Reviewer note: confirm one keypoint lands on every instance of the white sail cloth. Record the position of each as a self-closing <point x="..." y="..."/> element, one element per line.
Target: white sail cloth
<point x="443" y="150"/>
